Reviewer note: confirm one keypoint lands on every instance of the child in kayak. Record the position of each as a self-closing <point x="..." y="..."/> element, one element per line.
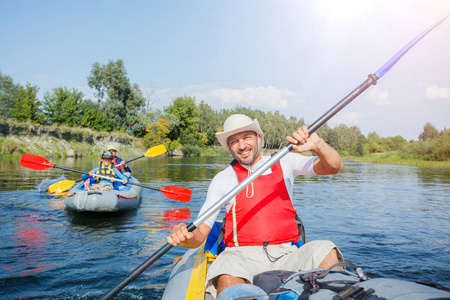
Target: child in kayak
<point x="106" y="168"/>
<point x="119" y="162"/>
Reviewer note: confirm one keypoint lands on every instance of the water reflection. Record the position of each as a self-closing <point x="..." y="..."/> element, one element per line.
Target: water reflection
<point x="99" y="222"/>
<point x="30" y="242"/>
<point x="175" y="216"/>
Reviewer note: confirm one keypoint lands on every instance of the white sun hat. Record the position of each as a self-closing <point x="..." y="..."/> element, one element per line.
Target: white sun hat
<point x="235" y="124"/>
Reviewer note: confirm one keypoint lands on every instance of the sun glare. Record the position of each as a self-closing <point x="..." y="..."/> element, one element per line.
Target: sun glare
<point x="343" y="10"/>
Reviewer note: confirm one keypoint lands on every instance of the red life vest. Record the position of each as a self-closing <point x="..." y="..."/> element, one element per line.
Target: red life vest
<point x="266" y="216"/>
<point x="118" y="167"/>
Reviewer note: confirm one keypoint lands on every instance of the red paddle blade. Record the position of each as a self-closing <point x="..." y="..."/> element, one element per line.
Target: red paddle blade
<point x="35" y="162"/>
<point x="177" y="193"/>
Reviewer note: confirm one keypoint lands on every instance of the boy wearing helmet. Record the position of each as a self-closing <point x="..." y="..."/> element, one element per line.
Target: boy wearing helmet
<point x="106" y="168"/>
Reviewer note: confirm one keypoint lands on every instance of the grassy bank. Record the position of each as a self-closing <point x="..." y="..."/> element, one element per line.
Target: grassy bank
<point x="17" y="138"/>
<point x="394" y="159"/>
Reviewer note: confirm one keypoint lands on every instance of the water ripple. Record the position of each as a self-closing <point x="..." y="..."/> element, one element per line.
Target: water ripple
<point x="391" y="220"/>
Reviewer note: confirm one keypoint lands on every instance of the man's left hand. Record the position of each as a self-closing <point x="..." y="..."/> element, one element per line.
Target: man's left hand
<point x="301" y="140"/>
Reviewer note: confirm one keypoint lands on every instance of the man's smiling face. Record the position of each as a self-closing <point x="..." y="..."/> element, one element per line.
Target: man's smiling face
<point x="244" y="147"/>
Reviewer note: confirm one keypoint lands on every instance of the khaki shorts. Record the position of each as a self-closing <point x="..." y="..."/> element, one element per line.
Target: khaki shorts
<point x="247" y="261"/>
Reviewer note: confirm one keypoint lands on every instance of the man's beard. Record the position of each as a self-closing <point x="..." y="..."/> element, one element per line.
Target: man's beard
<point x="247" y="161"/>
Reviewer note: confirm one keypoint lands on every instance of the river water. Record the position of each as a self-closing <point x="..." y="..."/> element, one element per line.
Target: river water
<point x="393" y="221"/>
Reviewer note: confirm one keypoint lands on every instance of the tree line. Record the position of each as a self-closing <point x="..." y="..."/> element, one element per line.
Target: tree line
<point x="186" y="123"/>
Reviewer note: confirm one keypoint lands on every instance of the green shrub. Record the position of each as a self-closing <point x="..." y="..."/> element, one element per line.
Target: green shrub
<point x="213" y="151"/>
<point x="151" y="139"/>
<point x="190" y="150"/>
<point x="174" y="145"/>
<point x="9" y="146"/>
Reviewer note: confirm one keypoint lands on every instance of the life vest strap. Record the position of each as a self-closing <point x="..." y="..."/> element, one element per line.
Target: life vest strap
<point x="105" y="172"/>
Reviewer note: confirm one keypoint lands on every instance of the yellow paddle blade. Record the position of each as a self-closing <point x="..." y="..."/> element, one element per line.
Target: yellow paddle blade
<point x="155" y="151"/>
<point x="60" y="187"/>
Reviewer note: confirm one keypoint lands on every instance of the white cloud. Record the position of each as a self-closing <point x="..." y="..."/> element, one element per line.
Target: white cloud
<point x="260" y="97"/>
<point x="223" y="97"/>
<point x="434" y="93"/>
<point x="379" y="97"/>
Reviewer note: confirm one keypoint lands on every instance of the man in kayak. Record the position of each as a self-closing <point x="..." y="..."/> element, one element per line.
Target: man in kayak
<point x="261" y="227"/>
<point x="105" y="168"/>
<point x="119" y="162"/>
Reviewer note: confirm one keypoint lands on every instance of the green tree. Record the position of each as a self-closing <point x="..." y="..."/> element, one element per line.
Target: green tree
<point x="26" y="104"/>
<point x="162" y="127"/>
<point x="185" y="109"/>
<point x="328" y="135"/>
<point x="347" y="139"/>
<point x="394" y="143"/>
<point x="151" y="138"/>
<point x="373" y="135"/>
<point x="442" y="146"/>
<point x="437" y="149"/>
<point x="91" y="116"/>
<point x="157" y="133"/>
<point x="63" y="106"/>
<point x="202" y="140"/>
<point x="148" y="117"/>
<point x="348" y="136"/>
<point x="374" y="144"/>
<point x="333" y="139"/>
<point x="208" y="122"/>
<point x="7" y="91"/>
<point x="275" y="128"/>
<point x="360" y="147"/>
<point x="429" y="132"/>
<point x="122" y="99"/>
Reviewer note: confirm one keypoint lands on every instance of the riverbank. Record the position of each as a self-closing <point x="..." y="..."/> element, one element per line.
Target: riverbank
<point x="60" y="141"/>
<point x="394" y="159"/>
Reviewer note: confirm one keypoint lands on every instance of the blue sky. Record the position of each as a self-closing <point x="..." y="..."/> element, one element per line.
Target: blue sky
<point x="297" y="57"/>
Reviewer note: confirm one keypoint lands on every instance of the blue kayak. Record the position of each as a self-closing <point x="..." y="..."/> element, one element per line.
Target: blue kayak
<point x="125" y="198"/>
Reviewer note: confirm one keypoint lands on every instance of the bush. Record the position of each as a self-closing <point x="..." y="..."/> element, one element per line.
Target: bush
<point x="437" y="149"/>
<point x="9" y="146"/>
<point x="151" y="139"/>
<point x="190" y="150"/>
<point x="174" y="145"/>
<point x="138" y="130"/>
<point x="188" y="139"/>
<point x="213" y="151"/>
<point x="441" y="147"/>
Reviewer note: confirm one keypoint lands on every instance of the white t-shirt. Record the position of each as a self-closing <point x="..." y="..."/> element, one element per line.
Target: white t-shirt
<point x="292" y="164"/>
